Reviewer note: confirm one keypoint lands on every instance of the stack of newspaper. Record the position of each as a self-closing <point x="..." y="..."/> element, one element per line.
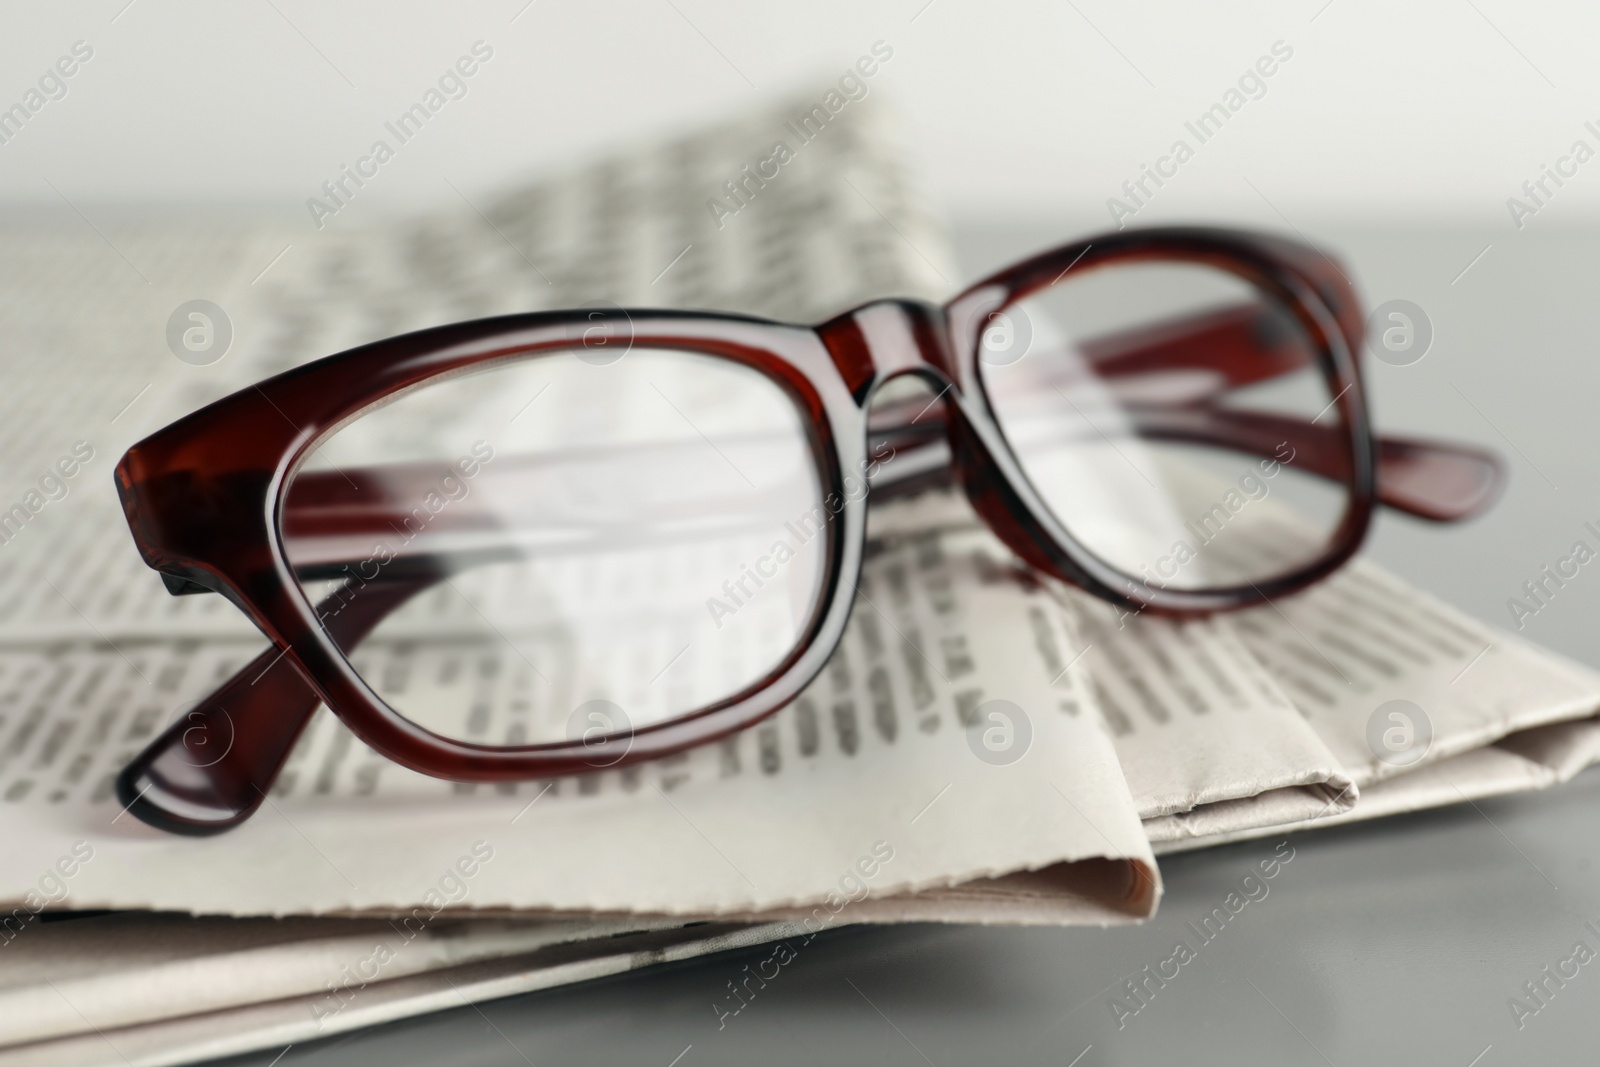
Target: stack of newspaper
<point x="363" y="892"/>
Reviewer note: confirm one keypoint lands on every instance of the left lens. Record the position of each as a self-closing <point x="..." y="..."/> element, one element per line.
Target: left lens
<point x="588" y="546"/>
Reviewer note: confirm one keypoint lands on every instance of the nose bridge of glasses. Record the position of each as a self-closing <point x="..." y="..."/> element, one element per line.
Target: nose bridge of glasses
<point x="889" y="339"/>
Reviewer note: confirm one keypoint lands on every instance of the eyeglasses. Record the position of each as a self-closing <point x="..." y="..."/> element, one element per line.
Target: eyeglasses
<point x="663" y="514"/>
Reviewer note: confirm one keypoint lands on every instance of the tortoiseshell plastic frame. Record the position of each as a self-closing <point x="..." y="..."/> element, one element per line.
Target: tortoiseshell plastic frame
<point x="205" y="496"/>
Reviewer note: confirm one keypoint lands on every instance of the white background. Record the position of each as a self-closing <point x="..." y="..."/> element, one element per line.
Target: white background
<point x="1419" y="112"/>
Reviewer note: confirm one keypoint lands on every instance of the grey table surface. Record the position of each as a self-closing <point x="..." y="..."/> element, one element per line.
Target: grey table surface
<point x="1401" y="941"/>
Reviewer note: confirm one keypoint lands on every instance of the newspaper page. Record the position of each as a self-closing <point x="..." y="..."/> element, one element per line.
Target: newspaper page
<point x="178" y="989"/>
<point x="1283" y="716"/>
<point x="1422" y="704"/>
<point x="1404" y="692"/>
<point x="129" y="969"/>
<point x="1208" y="740"/>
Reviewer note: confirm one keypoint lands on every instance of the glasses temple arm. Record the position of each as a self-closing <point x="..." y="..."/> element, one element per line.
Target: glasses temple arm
<point x="210" y="770"/>
<point x="1438" y="481"/>
<point x="1429" y="480"/>
<point x="330" y="526"/>
<point x="1239" y="344"/>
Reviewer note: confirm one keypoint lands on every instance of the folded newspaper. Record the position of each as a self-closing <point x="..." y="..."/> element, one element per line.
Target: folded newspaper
<point x="870" y="799"/>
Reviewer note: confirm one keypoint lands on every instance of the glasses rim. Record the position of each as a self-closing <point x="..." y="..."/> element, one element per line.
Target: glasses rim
<point x="205" y="498"/>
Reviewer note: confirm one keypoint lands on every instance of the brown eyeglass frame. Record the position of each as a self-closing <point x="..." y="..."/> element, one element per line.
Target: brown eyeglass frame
<point x="208" y="498"/>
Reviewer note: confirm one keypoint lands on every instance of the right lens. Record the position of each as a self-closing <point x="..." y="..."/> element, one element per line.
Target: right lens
<point x="562" y="549"/>
<point x="1177" y="420"/>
